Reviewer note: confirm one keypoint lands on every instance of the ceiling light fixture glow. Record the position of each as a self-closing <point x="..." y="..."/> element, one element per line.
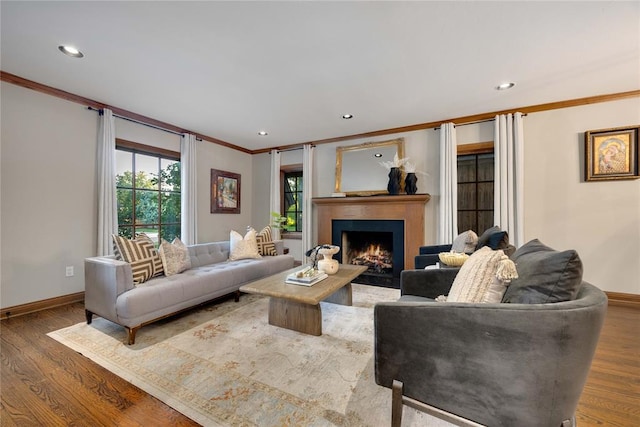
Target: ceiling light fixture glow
<point x="70" y="51"/>
<point x="263" y="133"/>
<point x="505" y="86"/>
<point x="347" y="116"/>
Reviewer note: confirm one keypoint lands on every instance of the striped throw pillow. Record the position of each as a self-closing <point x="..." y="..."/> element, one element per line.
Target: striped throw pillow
<point x="266" y="247"/>
<point x="141" y="254"/>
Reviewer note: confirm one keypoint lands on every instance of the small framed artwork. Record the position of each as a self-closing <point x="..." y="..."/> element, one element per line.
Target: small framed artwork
<point x="611" y="154"/>
<point x="225" y="192"/>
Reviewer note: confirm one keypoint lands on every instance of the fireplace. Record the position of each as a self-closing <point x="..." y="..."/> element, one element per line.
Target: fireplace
<point x="376" y="244"/>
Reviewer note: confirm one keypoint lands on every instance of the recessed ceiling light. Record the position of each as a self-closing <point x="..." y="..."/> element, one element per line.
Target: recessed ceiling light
<point x="505" y="86"/>
<point x="263" y="133"/>
<point x="377" y="155"/>
<point x="70" y="51"/>
<point x="347" y="116"/>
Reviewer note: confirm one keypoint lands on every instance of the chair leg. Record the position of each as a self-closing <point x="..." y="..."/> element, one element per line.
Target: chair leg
<point x="396" y="403"/>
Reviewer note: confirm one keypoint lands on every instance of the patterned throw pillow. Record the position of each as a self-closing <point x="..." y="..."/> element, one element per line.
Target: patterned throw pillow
<point x="141" y="254"/>
<point x="465" y="243"/>
<point x="266" y="247"/>
<point x="243" y="248"/>
<point x="483" y="278"/>
<point x="174" y="256"/>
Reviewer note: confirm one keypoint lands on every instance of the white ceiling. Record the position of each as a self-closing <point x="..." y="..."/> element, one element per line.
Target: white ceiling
<point x="230" y="69"/>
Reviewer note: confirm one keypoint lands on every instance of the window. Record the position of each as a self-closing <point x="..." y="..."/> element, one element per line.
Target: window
<point x="292" y="200"/>
<point x="148" y="191"/>
<point x="475" y="187"/>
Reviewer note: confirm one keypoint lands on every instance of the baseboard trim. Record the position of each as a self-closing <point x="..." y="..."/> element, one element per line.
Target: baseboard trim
<point x="32" y="307"/>
<point x="628" y="300"/>
<point x="615" y="298"/>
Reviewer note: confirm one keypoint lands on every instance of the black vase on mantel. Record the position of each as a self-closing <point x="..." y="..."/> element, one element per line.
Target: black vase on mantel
<point x="395" y="177"/>
<point x="410" y="183"/>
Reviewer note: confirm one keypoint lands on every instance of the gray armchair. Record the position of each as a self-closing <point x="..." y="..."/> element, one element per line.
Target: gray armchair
<point x="495" y="364"/>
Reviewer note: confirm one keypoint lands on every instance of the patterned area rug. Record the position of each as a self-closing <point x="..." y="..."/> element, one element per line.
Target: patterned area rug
<point x="224" y="365"/>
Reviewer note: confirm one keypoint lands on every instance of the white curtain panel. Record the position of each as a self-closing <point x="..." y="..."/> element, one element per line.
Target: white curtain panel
<point x="448" y="208"/>
<point x="509" y="176"/>
<point x="307" y="195"/>
<point x="274" y="202"/>
<point x="189" y="192"/>
<point x="107" y="200"/>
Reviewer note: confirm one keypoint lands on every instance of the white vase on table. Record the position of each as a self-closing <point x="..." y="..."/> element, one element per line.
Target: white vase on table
<point x="327" y="263"/>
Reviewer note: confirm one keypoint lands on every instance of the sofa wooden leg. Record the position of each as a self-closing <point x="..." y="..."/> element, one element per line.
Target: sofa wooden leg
<point x="237" y="296"/>
<point x="131" y="335"/>
<point x="89" y="316"/>
<point x="396" y="403"/>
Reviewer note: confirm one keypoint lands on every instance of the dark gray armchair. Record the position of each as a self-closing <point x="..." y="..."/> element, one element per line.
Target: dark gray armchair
<point x="495" y="364"/>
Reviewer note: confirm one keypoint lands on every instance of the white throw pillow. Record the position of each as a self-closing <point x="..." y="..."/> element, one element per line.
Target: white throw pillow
<point x="243" y="248"/>
<point x="483" y="278"/>
<point x="465" y="242"/>
<point x="175" y="257"/>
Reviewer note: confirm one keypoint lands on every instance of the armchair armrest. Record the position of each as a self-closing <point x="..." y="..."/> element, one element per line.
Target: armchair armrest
<point x="427" y="283"/>
<point x="433" y="249"/>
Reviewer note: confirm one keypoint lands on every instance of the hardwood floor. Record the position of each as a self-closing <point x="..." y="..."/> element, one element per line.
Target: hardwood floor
<point x="45" y="383"/>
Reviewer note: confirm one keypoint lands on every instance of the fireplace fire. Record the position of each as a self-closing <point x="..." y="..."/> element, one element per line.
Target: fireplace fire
<point x="375" y="244"/>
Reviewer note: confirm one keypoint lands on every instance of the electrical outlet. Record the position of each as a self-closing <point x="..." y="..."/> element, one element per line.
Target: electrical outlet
<point x="69" y="271"/>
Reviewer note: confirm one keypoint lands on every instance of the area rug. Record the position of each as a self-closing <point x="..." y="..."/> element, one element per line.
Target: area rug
<point x="224" y="365"/>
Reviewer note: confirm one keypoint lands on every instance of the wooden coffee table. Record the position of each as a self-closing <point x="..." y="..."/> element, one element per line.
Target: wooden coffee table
<point x="297" y="307"/>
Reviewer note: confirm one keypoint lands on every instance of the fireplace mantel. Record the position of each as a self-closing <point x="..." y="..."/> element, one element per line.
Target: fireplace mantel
<point x="409" y="208"/>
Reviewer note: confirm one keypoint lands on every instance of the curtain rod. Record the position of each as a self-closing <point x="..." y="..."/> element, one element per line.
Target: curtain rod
<point x="139" y="122"/>
<point x="474" y="122"/>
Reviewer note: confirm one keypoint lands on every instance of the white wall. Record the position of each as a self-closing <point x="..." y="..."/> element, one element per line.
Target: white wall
<point x="48" y="191"/>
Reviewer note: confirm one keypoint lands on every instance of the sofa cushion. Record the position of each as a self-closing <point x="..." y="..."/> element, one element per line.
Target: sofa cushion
<point x="266" y="247"/>
<point x="483" y="278"/>
<point x="243" y="248"/>
<point x="465" y="242"/>
<point x="174" y="256"/>
<point x="141" y="254"/>
<point x="494" y="238"/>
<point x="546" y="275"/>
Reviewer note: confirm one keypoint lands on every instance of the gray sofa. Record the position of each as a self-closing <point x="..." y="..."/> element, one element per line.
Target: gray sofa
<point x="111" y="294"/>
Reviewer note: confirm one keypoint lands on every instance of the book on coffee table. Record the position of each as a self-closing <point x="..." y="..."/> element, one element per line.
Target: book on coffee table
<point x="294" y="279"/>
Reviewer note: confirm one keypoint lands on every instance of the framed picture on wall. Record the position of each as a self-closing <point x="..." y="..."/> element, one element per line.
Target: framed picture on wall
<point x="611" y="154"/>
<point x="225" y="192"/>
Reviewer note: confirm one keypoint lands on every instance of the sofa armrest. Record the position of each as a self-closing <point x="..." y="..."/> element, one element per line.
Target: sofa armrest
<point x="427" y="283"/>
<point x="104" y="279"/>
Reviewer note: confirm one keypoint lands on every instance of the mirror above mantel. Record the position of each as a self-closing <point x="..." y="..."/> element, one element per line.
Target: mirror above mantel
<point x="358" y="168"/>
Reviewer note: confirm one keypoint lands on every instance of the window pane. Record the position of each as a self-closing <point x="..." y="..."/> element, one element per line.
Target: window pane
<point x="485" y="195"/>
<point x="146" y="171"/>
<point x="125" y="206"/>
<point x="124" y="166"/>
<point x="466" y="169"/>
<point x="485" y="167"/>
<point x="125" y="232"/>
<point x="170" y="175"/>
<point x="467" y="221"/>
<point x="467" y="196"/>
<point x="170" y="208"/>
<point x="146" y="207"/>
<point x="170" y="232"/>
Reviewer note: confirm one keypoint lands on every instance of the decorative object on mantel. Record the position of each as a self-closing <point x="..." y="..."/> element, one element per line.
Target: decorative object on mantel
<point x="395" y="173"/>
<point x="410" y="180"/>
<point x="327" y="263"/>
<point x="611" y="154"/>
